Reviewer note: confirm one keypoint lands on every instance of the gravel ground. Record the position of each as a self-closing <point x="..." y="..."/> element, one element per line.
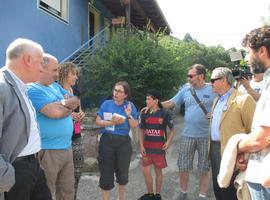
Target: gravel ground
<point x="89" y="190"/>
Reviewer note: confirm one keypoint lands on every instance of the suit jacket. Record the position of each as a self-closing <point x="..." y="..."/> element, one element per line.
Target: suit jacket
<point x="14" y="128"/>
<point x="227" y="167"/>
<point x="237" y="118"/>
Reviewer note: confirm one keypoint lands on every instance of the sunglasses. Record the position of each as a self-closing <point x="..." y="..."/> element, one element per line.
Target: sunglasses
<point x="213" y="80"/>
<point x="191" y="75"/>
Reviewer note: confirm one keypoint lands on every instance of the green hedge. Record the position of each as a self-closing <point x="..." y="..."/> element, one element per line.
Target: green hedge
<point x="138" y="59"/>
<point x="146" y="61"/>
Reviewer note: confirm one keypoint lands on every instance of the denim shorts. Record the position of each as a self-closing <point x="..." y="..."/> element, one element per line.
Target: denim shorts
<point x="258" y="192"/>
<point x="188" y="147"/>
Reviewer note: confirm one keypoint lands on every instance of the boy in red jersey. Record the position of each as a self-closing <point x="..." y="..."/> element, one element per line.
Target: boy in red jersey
<point x="154" y="142"/>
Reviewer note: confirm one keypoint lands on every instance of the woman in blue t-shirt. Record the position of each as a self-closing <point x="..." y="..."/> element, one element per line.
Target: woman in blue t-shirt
<point x="116" y="117"/>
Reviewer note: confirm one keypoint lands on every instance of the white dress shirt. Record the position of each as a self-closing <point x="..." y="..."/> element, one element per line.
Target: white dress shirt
<point x="34" y="145"/>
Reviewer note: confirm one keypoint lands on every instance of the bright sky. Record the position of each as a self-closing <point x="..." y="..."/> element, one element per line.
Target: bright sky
<point x="214" y="22"/>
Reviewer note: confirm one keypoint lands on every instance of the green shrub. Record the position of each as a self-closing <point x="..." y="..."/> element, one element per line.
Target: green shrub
<point x="138" y="59"/>
<point x="146" y="61"/>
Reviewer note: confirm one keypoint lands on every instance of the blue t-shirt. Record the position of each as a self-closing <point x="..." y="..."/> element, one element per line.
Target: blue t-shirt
<point x="108" y="108"/>
<point x="55" y="132"/>
<point x="195" y="122"/>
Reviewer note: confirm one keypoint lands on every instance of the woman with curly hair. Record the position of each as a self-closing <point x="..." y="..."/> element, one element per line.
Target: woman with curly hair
<point x="68" y="75"/>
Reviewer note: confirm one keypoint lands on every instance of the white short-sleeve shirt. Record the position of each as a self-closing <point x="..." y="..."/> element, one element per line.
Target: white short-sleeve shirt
<point x="261" y="117"/>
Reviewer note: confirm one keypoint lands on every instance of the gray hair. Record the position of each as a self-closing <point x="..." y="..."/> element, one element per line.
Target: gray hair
<point x="47" y="58"/>
<point x="200" y="69"/>
<point x="226" y="73"/>
<point x="20" y="46"/>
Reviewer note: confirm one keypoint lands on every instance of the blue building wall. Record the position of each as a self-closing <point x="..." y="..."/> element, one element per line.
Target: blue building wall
<point x="24" y="19"/>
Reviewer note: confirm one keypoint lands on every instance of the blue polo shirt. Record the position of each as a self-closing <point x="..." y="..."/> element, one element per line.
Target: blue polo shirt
<point x="195" y="122"/>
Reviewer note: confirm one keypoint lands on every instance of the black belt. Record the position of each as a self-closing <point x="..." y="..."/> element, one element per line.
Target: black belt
<point x="215" y="141"/>
<point x="25" y="158"/>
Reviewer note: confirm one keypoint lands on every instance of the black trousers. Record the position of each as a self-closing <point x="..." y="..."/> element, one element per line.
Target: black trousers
<point x="228" y="193"/>
<point x="114" y="159"/>
<point x="30" y="182"/>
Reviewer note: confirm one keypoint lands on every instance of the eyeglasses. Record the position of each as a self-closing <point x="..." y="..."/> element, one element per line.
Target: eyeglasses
<point x="213" y="80"/>
<point x="191" y="75"/>
<point x="118" y="91"/>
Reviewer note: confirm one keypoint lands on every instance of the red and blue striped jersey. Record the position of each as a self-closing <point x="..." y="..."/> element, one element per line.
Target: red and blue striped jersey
<point x="154" y="126"/>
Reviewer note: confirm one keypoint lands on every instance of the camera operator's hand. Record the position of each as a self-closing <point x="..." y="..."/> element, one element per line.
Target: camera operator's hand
<point x="245" y="83"/>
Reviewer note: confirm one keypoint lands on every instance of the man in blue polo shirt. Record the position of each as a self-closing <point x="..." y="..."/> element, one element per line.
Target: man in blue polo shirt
<point x="53" y="108"/>
<point x="195" y="133"/>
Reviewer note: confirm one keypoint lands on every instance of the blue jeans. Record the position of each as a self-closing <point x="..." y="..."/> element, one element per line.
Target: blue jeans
<point x="258" y="192"/>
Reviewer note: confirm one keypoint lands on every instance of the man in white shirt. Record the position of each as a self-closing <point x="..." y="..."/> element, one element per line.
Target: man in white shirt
<point x="257" y="44"/>
<point x="21" y="177"/>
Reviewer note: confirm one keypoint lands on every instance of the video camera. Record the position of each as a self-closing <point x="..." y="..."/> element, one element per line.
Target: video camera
<point x="244" y="72"/>
<point x="238" y="71"/>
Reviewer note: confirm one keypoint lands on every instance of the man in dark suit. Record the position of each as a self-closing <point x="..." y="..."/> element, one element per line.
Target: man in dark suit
<point x="21" y="177"/>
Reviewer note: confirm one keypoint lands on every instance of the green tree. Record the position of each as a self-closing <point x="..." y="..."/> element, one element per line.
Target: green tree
<point x="138" y="59"/>
<point x="188" y="38"/>
<point x="146" y="61"/>
<point x="189" y="52"/>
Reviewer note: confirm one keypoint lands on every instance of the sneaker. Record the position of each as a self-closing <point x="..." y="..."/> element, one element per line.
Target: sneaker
<point x="182" y="196"/>
<point x="157" y="197"/>
<point x="147" y="197"/>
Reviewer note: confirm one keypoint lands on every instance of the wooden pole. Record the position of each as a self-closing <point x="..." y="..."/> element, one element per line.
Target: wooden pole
<point x="128" y="15"/>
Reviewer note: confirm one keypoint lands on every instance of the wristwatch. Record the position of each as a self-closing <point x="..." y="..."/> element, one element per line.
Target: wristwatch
<point x="130" y="117"/>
